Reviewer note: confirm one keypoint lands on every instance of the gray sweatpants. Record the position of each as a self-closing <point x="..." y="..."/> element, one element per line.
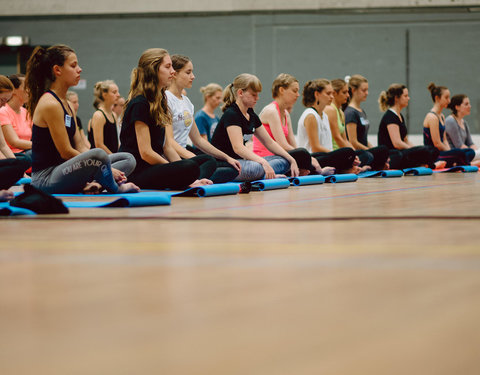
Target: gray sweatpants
<point x="252" y="171"/>
<point x="71" y="176"/>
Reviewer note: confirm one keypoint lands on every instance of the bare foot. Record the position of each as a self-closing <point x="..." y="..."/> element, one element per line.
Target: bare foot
<point x="365" y="168"/>
<point x="5" y="195"/>
<point x="128" y="187"/>
<point x="304" y="172"/>
<point x="476" y="163"/>
<point x="92" y="188"/>
<point x="280" y="176"/>
<point x="202" y="182"/>
<point x="354" y="170"/>
<point x="440" y="164"/>
<point x="327" y="171"/>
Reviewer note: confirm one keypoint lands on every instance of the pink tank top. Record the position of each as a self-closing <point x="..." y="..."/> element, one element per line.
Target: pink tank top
<point x="258" y="147"/>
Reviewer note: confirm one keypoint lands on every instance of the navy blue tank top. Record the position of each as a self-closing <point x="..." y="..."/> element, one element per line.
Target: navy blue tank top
<point x="110" y="134"/>
<point x="44" y="152"/>
<point x="427" y="136"/>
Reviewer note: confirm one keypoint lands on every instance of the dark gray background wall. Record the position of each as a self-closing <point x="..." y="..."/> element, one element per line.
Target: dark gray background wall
<point x="410" y="46"/>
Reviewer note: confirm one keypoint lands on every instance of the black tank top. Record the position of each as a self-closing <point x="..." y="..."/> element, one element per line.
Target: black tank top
<point x="110" y="134"/>
<point x="44" y="152"/>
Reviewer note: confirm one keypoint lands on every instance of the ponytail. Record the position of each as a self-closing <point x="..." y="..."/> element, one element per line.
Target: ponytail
<point x="100" y="88"/>
<point x="310" y="88"/>
<point x="40" y="75"/>
<point x="387" y="98"/>
<point x="243" y="82"/>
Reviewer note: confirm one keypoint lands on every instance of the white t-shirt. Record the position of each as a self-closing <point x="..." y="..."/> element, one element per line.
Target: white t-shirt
<point x="182" y="117"/>
<point x="324" y="132"/>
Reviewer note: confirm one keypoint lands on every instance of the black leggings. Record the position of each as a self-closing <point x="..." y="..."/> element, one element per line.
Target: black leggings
<point x="12" y="170"/>
<point x="375" y="157"/>
<point x="215" y="170"/>
<point x="341" y="159"/>
<point x="176" y="175"/>
<point x="457" y="156"/>
<point x="413" y="157"/>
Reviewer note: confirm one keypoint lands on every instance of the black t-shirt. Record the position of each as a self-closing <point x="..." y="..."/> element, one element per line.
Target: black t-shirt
<point x="138" y="109"/>
<point x="359" y="118"/>
<point x="234" y="117"/>
<point x="388" y="118"/>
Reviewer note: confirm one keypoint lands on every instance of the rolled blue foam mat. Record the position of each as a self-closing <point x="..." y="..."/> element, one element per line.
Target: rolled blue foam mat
<point x="386" y="173"/>
<point x="460" y="168"/>
<point x="23" y="181"/>
<point x="7" y="210"/>
<point x="307" y="180"/>
<point x="270" y="184"/>
<point x="142" y="199"/>
<point x="419" y="171"/>
<point x="392" y="173"/>
<point x="228" y="188"/>
<point x="347" y="177"/>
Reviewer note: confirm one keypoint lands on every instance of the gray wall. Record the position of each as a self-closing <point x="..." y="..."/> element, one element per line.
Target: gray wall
<point x="409" y="46"/>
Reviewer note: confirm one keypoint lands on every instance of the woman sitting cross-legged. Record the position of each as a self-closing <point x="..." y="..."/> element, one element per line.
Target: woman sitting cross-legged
<point x="238" y="125"/>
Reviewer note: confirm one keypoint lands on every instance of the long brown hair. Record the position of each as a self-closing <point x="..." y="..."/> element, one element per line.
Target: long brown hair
<point x="144" y="81"/>
<point x="40" y="75"/>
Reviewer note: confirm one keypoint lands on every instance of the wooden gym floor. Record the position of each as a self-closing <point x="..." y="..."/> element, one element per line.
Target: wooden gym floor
<point x="381" y="276"/>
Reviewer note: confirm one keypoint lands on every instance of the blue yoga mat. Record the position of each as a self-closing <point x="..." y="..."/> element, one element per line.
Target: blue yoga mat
<point x="7" y="210"/>
<point x="385" y="173"/>
<point x="24" y="180"/>
<point x="307" y="180"/>
<point x="271" y="184"/>
<point x="420" y="171"/>
<point x="460" y="168"/>
<point x="141" y="199"/>
<point x="228" y="188"/>
<point x="347" y="177"/>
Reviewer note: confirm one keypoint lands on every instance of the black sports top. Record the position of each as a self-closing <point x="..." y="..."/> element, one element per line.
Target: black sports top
<point x="110" y="134"/>
<point x="44" y="152"/>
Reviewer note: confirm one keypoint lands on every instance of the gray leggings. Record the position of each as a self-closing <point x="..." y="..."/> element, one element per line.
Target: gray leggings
<point x="71" y="176"/>
<point x="251" y="170"/>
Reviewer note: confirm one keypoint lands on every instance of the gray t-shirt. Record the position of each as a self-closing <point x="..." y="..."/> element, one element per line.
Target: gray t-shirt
<point x="457" y="136"/>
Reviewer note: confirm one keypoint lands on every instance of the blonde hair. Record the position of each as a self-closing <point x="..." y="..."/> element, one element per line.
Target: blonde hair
<point x="210" y="90"/>
<point x="242" y="82"/>
<point x="100" y="88"/>
<point x="144" y="81"/>
<point x="387" y="98"/>
<point x="284" y="80"/>
<point x="310" y="88"/>
<point x="356" y="81"/>
<point x="5" y="84"/>
<point x="70" y="94"/>
<point x="338" y="84"/>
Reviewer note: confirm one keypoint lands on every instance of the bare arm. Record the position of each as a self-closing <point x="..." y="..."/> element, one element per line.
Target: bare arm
<point x="97" y="123"/>
<point x="13" y="140"/>
<point x="144" y="145"/>
<point x="270" y="116"/>
<point x="311" y="126"/>
<point x="209" y="149"/>
<point x="276" y="149"/>
<point x="339" y="138"/>
<point x="51" y="115"/>
<point x="394" y="134"/>
<point x="169" y="147"/>
<point x="5" y="151"/>
<point x="352" y="136"/>
<point x="431" y="122"/>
